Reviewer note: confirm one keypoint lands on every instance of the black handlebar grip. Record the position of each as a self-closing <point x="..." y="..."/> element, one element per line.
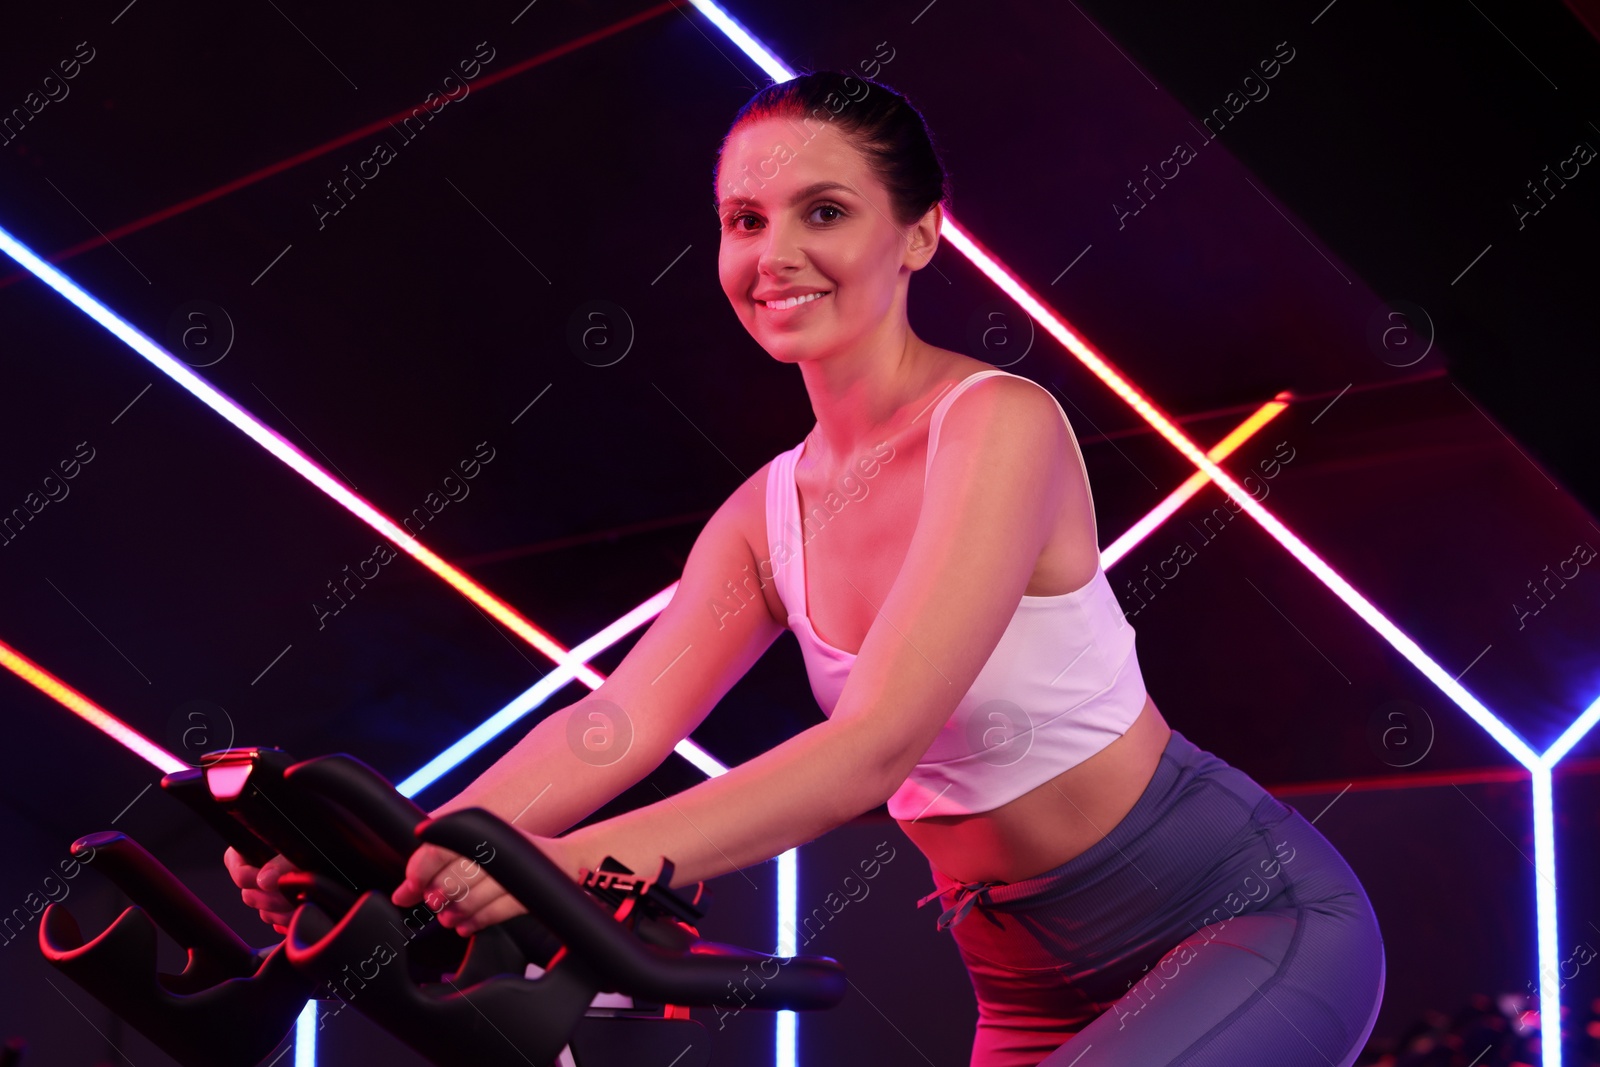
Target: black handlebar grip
<point x="189" y="786"/>
<point x="216" y="952"/>
<point x="382" y="811"/>
<point x="605" y="946"/>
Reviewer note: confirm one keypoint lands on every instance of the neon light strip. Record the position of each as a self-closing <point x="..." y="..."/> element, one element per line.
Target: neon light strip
<point x="1544" y="861"/>
<point x="1544" y="886"/>
<point x="788" y="1029"/>
<point x="788" y="1040"/>
<point x="1415" y="779"/>
<point x="305" y="1036"/>
<point x="546" y="688"/>
<point x="1192" y="485"/>
<point x="1571" y="736"/>
<point x="88" y="710"/>
<point x="775" y="68"/>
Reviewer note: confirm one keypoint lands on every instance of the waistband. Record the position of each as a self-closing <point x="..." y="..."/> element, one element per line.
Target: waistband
<point x="1180" y="763"/>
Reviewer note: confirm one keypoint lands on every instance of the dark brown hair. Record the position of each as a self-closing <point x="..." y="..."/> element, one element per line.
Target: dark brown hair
<point x="882" y="124"/>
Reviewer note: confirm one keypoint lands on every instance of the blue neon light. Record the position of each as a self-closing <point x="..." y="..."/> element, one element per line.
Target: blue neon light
<point x="305" y="1036"/>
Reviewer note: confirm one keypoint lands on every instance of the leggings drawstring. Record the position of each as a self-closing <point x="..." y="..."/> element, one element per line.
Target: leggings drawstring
<point x="967" y="895"/>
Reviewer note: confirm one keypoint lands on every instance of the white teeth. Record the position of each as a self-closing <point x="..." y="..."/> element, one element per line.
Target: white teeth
<point x="793" y="301"/>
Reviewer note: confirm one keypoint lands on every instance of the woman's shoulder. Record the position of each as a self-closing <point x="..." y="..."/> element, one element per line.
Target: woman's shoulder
<point x="1010" y="396"/>
<point x="958" y="370"/>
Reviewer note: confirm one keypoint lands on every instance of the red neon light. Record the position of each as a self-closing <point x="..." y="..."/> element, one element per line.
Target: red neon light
<point x="1428" y="779"/>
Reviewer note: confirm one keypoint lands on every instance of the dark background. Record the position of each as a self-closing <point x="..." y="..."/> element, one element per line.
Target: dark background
<point x="1440" y="466"/>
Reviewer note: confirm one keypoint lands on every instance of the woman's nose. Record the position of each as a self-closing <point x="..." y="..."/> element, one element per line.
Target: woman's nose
<point x="780" y="248"/>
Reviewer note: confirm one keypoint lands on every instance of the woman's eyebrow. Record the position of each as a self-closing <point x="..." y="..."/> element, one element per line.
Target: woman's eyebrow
<point x="803" y="194"/>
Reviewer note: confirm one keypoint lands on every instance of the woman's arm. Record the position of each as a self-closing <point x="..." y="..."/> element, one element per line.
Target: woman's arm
<point x="522" y="786"/>
<point x="992" y="494"/>
<point x="580" y="757"/>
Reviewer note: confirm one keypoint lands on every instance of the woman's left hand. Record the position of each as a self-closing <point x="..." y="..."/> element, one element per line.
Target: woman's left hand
<point x="460" y="892"/>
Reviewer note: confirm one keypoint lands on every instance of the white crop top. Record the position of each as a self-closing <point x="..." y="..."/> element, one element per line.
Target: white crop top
<point x="1062" y="683"/>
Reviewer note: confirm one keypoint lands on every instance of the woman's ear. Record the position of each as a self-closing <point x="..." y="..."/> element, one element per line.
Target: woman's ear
<point x="922" y="239"/>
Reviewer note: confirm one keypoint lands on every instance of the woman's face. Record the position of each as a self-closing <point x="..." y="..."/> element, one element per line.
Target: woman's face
<point x="804" y="217"/>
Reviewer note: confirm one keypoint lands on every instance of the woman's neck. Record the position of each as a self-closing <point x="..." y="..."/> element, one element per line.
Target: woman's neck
<point x="859" y="402"/>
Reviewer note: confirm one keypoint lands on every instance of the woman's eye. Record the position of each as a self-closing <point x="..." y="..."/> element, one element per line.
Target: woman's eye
<point x="734" y="221"/>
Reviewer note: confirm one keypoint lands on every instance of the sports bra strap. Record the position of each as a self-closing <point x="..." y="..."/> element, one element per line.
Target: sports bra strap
<point x="949" y="398"/>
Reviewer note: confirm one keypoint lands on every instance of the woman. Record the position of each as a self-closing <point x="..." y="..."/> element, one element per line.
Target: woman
<point x="1118" y="895"/>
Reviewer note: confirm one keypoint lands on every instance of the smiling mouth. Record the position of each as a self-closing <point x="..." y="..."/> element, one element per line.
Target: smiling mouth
<point x="792" y="302"/>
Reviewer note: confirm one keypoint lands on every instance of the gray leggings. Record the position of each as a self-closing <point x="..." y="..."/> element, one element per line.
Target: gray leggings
<point x="1212" y="927"/>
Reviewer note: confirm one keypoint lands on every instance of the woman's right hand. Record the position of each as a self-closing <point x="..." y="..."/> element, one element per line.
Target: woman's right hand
<point x="259" y="888"/>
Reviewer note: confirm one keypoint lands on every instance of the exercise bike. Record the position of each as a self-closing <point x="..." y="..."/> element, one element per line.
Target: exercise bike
<point x="595" y="974"/>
